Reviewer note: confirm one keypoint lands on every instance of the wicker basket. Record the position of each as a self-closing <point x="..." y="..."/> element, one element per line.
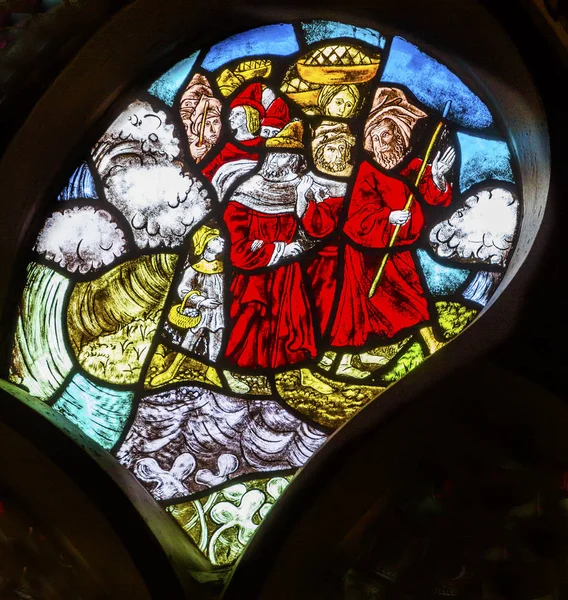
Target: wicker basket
<point x="181" y="321"/>
<point x="337" y="74"/>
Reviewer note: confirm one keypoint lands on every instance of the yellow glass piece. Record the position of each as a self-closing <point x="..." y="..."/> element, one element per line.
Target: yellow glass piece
<point x="327" y="361"/>
<point x="111" y="321"/>
<point x="297" y="89"/>
<point x="338" y="64"/>
<point x="412" y="357"/>
<point x="428" y="336"/>
<point x="223" y="522"/>
<point x="360" y="366"/>
<point x="254" y="385"/>
<point x="228" y="82"/>
<point x="169" y="366"/>
<point x="454" y="318"/>
<point x="327" y="402"/>
<point x="250" y="69"/>
<point x="119" y="357"/>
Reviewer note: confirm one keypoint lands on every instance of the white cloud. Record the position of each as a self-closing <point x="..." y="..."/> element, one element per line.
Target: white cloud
<point x="160" y="202"/>
<point x="81" y="239"/>
<point x="138" y="160"/>
<point x="481" y="231"/>
<point x="139" y="129"/>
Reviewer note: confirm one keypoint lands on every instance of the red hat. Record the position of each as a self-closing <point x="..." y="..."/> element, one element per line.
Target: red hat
<point x="250" y="96"/>
<point x="277" y="115"/>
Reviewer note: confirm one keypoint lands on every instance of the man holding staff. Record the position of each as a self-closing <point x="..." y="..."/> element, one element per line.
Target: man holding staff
<point x="382" y="293"/>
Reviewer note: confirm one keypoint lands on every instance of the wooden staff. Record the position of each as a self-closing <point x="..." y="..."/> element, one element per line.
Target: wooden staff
<point x="202" y="127"/>
<point x="408" y="204"/>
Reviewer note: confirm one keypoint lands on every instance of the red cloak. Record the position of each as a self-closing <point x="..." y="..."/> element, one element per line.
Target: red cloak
<point x="272" y="322"/>
<point x="399" y="300"/>
<point x="229" y="153"/>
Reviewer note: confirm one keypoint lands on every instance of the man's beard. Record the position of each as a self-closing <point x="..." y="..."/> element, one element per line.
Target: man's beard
<point x="274" y="173"/>
<point x="333" y="166"/>
<point x="391" y="158"/>
<point x="210" y="142"/>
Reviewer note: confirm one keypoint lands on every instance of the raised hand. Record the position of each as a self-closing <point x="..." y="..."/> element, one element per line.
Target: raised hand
<point x="441" y="165"/>
<point x="305" y="184"/>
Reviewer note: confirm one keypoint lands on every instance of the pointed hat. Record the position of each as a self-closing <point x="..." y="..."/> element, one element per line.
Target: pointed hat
<point x="250" y="96"/>
<point x="277" y="114"/>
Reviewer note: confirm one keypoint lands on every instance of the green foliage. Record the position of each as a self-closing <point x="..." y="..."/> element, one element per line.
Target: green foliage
<point x="454" y="318"/>
<point x="408" y="361"/>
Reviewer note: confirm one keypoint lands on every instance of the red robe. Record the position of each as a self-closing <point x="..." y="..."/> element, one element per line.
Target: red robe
<point x="272" y="322"/>
<point x="322" y="270"/>
<point x="399" y="300"/>
<point x="229" y="153"/>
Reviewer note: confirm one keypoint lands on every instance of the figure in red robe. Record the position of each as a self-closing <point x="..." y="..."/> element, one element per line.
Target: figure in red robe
<point x="245" y="117"/>
<point x="376" y="207"/>
<point x="272" y="218"/>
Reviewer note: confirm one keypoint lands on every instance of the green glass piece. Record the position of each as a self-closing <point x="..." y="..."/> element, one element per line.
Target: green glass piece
<point x="408" y="361"/>
<point x="222" y="523"/>
<point x="40" y="360"/>
<point x="454" y="318"/>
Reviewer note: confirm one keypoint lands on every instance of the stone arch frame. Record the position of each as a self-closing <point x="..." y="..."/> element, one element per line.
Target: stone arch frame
<point x="71" y="94"/>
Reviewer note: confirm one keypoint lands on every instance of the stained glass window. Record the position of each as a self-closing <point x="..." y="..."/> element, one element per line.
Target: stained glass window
<point x="263" y="240"/>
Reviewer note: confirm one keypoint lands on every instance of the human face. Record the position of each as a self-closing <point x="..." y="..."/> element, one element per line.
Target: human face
<point x="278" y="166"/>
<point x="267" y="132"/>
<point x="212" y="129"/>
<point x="341" y="105"/>
<point x="334" y="152"/>
<point x="383" y="137"/>
<point x="237" y="117"/>
<point x="216" y="245"/>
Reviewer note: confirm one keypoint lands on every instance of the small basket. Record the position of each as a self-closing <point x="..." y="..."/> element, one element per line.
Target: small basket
<point x="181" y="321"/>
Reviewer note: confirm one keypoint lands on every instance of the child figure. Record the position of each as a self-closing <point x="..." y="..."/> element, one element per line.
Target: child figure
<point x="202" y="284"/>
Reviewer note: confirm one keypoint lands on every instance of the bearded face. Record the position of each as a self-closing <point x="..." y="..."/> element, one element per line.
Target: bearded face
<point x="387" y="143"/>
<point x="280" y="166"/>
<point x="334" y="156"/>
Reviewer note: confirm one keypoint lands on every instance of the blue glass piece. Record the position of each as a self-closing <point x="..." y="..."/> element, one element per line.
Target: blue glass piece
<point x="441" y="280"/>
<point x="277" y="40"/>
<point x="315" y="31"/>
<point x="81" y="185"/>
<point x="483" y="159"/>
<point x="482" y="287"/>
<point x="433" y="84"/>
<point x="100" y="412"/>
<point x="166" y="87"/>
